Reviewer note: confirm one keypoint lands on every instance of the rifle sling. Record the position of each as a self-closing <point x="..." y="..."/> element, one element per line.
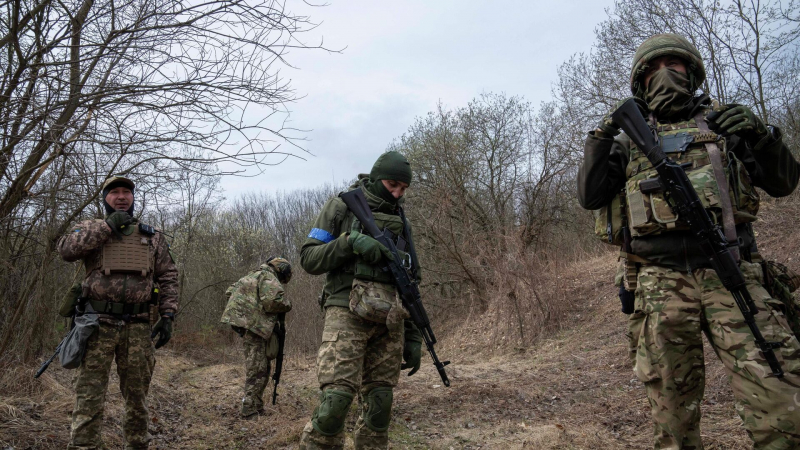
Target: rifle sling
<point x="715" y="156"/>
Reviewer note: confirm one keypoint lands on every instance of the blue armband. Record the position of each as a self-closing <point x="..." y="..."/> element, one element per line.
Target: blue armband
<point x="321" y="235"/>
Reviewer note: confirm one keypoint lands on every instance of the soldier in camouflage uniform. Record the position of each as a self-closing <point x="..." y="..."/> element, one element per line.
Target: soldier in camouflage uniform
<point x="256" y="304"/>
<point x="367" y="335"/>
<point x="677" y="295"/>
<point x="123" y="261"/>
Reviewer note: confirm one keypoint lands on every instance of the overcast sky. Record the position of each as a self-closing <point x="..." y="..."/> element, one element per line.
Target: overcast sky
<point x="401" y="58"/>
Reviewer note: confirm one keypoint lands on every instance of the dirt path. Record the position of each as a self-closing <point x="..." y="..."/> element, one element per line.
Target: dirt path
<point x="573" y="390"/>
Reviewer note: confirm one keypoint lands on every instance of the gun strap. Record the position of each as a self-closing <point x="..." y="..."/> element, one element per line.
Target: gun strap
<point x="715" y="157"/>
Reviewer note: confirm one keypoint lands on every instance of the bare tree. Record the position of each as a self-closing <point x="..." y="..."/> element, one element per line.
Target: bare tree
<point x="153" y="90"/>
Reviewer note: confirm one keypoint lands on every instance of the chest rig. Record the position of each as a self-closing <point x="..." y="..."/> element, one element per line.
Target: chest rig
<point x="394" y="224"/>
<point x="648" y="210"/>
<point x="131" y="254"/>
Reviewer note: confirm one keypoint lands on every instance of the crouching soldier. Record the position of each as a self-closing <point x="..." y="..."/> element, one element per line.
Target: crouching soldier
<point x="123" y="260"/>
<point x="256" y="310"/>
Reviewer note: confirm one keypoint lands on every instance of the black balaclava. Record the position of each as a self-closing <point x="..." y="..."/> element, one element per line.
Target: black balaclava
<point x="389" y="166"/>
<point x="115" y="184"/>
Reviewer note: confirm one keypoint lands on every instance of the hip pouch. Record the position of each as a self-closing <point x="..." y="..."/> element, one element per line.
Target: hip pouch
<point x="781" y="282"/>
<point x="372" y="300"/>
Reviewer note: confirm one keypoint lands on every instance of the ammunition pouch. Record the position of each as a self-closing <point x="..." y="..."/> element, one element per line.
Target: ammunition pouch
<point x="609" y="220"/>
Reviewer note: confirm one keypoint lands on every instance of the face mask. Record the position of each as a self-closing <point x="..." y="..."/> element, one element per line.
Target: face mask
<point x="377" y="188"/>
<point x="668" y="94"/>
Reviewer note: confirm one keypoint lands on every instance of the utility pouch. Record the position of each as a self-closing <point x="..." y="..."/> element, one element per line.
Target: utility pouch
<point x="744" y="197"/>
<point x="74" y="346"/>
<point x="649" y="210"/>
<point x="609" y="220"/>
<point x="781" y="281"/>
<point x="372" y="300"/>
<point x="70" y="301"/>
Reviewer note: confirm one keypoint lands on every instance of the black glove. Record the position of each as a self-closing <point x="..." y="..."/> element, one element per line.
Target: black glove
<point x="610" y="128"/>
<point x="239" y="330"/>
<point x="163" y="329"/>
<point x="117" y="221"/>
<point x="739" y="120"/>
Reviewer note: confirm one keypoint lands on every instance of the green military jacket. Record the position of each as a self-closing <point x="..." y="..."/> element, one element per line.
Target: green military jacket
<point x="326" y="250"/>
<point x="769" y="164"/>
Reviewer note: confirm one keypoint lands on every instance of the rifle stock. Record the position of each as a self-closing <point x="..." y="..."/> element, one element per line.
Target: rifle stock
<point x="406" y="287"/>
<point x="686" y="204"/>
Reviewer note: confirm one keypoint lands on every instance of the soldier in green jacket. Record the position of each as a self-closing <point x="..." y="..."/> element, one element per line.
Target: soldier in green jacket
<point x="678" y="296"/>
<point x="367" y="336"/>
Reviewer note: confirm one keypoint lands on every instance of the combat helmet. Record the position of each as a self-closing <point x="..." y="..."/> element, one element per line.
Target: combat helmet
<point x="662" y="45"/>
<point x="283" y="269"/>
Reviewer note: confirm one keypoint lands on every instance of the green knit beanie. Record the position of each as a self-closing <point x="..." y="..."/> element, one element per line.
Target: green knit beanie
<point x="391" y="166"/>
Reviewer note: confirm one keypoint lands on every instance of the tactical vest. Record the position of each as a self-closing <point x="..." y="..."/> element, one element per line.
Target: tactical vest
<point x="647" y="209"/>
<point x="369" y="272"/>
<point x="131" y="254"/>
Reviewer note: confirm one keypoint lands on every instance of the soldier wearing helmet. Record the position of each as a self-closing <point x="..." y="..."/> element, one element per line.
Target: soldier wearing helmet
<point x="727" y="151"/>
<point x="128" y="269"/>
<point x="256" y="310"/>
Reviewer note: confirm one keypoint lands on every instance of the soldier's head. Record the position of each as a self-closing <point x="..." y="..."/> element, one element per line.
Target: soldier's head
<point x="283" y="270"/>
<point x="390" y="176"/>
<point x="118" y="195"/>
<point x="667" y="70"/>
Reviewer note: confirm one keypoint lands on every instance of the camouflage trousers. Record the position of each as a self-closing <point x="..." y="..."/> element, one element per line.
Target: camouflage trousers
<point x="356" y="356"/>
<point x="257" y="355"/>
<point x="135" y="356"/>
<point x="672" y="310"/>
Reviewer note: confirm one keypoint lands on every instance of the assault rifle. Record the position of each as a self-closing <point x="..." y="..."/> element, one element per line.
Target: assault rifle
<point x="280" y="331"/>
<point x="685" y="203"/>
<point x="406" y="286"/>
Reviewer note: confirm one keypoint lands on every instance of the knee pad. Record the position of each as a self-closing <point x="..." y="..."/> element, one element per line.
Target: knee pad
<point x="377" y="411"/>
<point x="329" y="417"/>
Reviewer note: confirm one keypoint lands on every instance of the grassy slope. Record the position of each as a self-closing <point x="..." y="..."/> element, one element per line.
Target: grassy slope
<point x="574" y="389"/>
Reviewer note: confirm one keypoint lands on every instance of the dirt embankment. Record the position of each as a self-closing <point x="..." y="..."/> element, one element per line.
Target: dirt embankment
<point x="574" y="389"/>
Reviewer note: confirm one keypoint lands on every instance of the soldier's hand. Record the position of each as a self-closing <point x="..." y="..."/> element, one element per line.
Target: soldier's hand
<point x="368" y="248"/>
<point x="739" y="120"/>
<point x="412" y="356"/>
<point x="610" y="128"/>
<point x="163" y="330"/>
<point x="117" y="221"/>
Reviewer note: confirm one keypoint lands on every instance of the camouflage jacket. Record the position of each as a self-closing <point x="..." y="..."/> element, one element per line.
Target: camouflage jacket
<point x="85" y="242"/>
<point x="602" y="175"/>
<point x="254" y="302"/>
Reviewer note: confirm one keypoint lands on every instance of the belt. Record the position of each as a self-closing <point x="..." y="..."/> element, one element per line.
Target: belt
<point x="119" y="309"/>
